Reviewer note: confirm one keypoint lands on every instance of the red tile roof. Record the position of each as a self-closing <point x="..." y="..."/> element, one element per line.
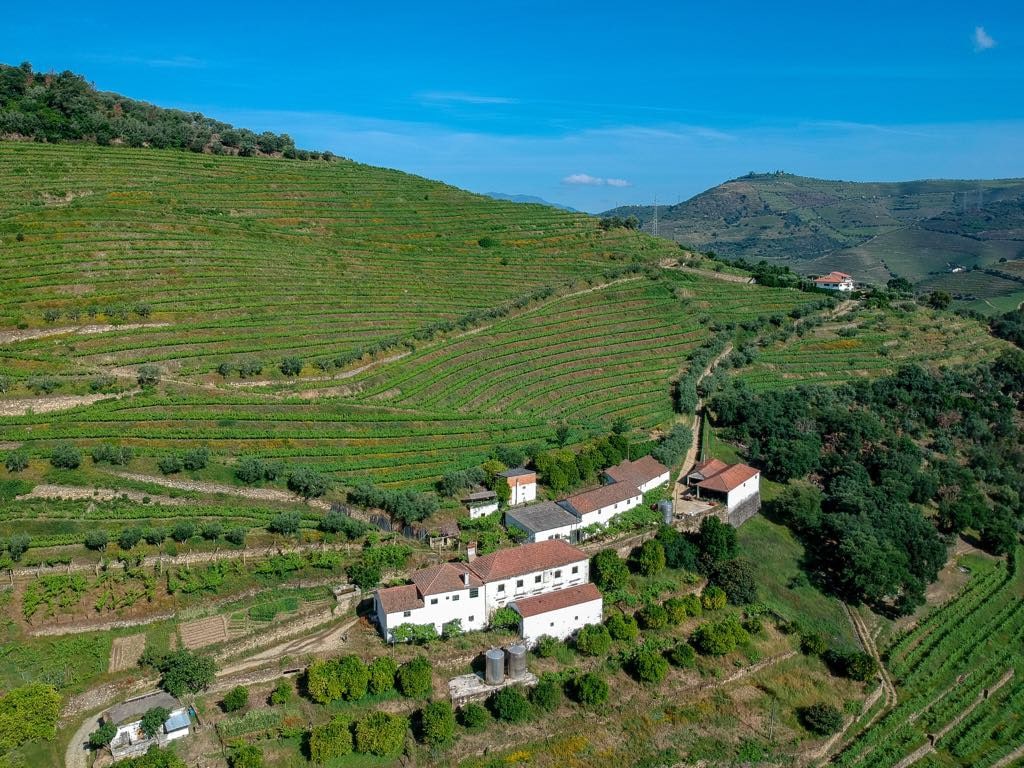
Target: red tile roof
<point x="729" y="479"/>
<point x="833" y="277"/>
<point x="710" y="467"/>
<point x="599" y="498"/>
<point x="446" y="577"/>
<point x="638" y="472"/>
<point x="398" y="599"/>
<point x="524" y="559"/>
<point x="553" y="601"/>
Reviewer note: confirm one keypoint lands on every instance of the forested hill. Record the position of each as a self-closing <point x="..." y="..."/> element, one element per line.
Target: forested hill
<point x="919" y="230"/>
<point x="65" y="107"/>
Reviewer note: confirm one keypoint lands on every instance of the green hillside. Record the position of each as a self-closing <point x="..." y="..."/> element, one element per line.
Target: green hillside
<point x="918" y="230"/>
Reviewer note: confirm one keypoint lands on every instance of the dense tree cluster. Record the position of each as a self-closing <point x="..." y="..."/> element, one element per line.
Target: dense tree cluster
<point x="406" y="506"/>
<point x="62" y="107"/>
<point x="947" y="441"/>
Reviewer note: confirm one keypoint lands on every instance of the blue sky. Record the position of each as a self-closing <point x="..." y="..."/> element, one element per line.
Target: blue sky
<point x="590" y="104"/>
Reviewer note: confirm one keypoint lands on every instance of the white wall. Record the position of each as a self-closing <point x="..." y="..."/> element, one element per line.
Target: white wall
<point x="522" y="493"/>
<point x="482" y="510"/>
<point x="560" y="623"/>
<point x="562" y="532"/>
<point x="471" y="611"/>
<point x="652" y="484"/>
<point x="743" y="492"/>
<point x="605" y="514"/>
<point x="501" y="593"/>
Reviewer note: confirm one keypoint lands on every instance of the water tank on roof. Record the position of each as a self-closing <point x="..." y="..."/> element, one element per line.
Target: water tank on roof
<point x="494" y="667"/>
<point x="665" y="507"/>
<point x="516" y="661"/>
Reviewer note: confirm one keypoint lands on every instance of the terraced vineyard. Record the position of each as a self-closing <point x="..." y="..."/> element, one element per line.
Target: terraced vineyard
<point x="869" y="344"/>
<point x="960" y="675"/>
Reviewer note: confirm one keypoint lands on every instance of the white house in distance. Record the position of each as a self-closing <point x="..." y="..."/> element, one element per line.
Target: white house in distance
<point x="558" y="614"/>
<point x="732" y="483"/>
<point x="542" y="521"/>
<point x="480" y="502"/>
<point x="473" y="591"/>
<point x="835" y="281"/>
<point x="599" y="505"/>
<point x="646" y="473"/>
<point x="522" y="483"/>
<point x="130" y="741"/>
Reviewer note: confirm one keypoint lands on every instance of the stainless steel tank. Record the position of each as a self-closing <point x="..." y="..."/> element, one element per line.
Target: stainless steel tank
<point x="494" y="667"/>
<point x="516" y="661"/>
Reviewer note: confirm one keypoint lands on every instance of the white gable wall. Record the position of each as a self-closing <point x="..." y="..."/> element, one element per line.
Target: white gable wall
<point x="603" y="515"/>
<point x="741" y="493"/>
<point x="560" y="623"/>
<point x="503" y="591"/>
<point x="438" y="610"/>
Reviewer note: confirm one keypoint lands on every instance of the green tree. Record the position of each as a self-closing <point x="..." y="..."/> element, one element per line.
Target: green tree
<point x="322" y="681"/>
<point x="652" y="616"/>
<point x="308" y="483"/>
<point x="148" y="376"/>
<point x="737" y="579"/>
<point x="716" y="541"/>
<point x="649" y="558"/>
<point x="195" y="459"/>
<point x="509" y="704"/>
<point x="821" y="719"/>
<point x="235" y="699"/>
<point x="648" y="666"/>
<point x="622" y="627"/>
<point x="331" y="740"/>
<point x="17" y="545"/>
<point x="438" y="723"/>
<point x="353" y="676"/>
<point x="28" y="713"/>
<point x="103" y="735"/>
<point x="184" y="671"/>
<point x="285" y="523"/>
<point x="245" y="756"/>
<point x="382" y="675"/>
<point x="473" y="717"/>
<point x="505" y="618"/>
<point x="415" y="678"/>
<point x="590" y="689"/>
<point x="291" y="366"/>
<point x="547" y="694"/>
<point x="939" y="300"/>
<point x="593" y="640"/>
<point x="683" y="656"/>
<point x="380" y="733"/>
<point x="183" y="530"/>
<point x="65" y="456"/>
<point x="282" y="694"/>
<point x="153" y="720"/>
<point x="713" y="598"/>
<point x="96" y="539"/>
<point x="717" y="638"/>
<point x="16" y="461"/>
<point x="609" y="571"/>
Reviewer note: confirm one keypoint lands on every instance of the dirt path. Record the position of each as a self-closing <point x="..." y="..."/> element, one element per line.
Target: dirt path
<point x="13" y="336"/>
<point x="213" y="489"/>
<point x="336" y="377"/>
<point x="710" y="273"/>
<point x="55" y="403"/>
<point x="868" y="642"/>
<point x="823" y="754"/>
<point x="1009" y="759"/>
<point x="326" y="640"/>
<point x="73" y="492"/>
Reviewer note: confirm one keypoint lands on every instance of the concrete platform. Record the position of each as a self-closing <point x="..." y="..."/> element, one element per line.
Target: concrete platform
<point x="465" y="688"/>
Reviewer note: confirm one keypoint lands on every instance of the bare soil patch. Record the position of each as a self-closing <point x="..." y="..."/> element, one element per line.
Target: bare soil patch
<point x="202" y="632"/>
<point x="126" y="651"/>
<point x="55" y="403"/>
<point x="72" y="492"/>
<point x="27" y="334"/>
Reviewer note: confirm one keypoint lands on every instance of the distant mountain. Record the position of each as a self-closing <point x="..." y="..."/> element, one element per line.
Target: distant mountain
<point x="529" y="199"/>
<point x="920" y="230"/>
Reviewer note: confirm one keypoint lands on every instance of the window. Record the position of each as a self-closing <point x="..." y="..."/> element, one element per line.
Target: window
<point x="575" y="569"/>
<point x="433" y="601"/>
<point x="501" y="587"/>
<point x="454" y="598"/>
<point x="519" y="583"/>
<point x="536" y="579"/>
<point x="474" y="592"/>
<point x="407" y="613"/>
<point x="471" y="618"/>
<point x="551" y="624"/>
<point x="558" y="573"/>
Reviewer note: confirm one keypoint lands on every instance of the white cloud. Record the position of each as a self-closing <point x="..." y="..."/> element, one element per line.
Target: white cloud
<point x="618" y="183"/>
<point x="982" y="40"/>
<point x="465" y="98"/>
<point x="583" y="179"/>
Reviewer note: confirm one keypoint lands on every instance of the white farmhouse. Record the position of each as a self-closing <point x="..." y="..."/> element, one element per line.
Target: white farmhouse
<point x="559" y="614"/>
<point x="600" y="505"/>
<point x="542" y="521"/>
<point x="835" y="281"/>
<point x="646" y="473"/>
<point x="471" y="592"/>
<point x="523" y="485"/>
<point x="733" y="483"/>
<point x="480" y="502"/>
<point x="438" y="595"/>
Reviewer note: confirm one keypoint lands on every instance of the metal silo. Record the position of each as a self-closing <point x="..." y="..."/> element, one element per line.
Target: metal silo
<point x="665" y="507"/>
<point x="516" y="661"/>
<point x="494" y="667"/>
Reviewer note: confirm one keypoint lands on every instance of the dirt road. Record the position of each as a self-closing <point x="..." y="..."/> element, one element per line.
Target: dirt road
<point x="55" y="403"/>
<point x="212" y="489"/>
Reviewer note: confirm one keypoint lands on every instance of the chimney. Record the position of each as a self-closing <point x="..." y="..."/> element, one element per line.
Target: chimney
<point x="471" y="552"/>
<point x="465" y="578"/>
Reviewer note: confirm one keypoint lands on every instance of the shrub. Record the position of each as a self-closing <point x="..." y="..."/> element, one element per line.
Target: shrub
<point x="103" y="735"/>
<point x="821" y="719"/>
<point x="813" y="643"/>
<point x="652" y="616"/>
<point x="382" y="672"/>
<point x="417" y="634"/>
<point x="345" y="678"/>
<point x="487" y="242"/>
<point x="183" y="530"/>
<point x="415" y="678"/>
<point x="438" y="723"/>
<point x="245" y="756"/>
<point x="282" y="693"/>
<point x="235" y="699"/>
<point x="649" y="558"/>
<point x="195" y="459"/>
<point x="16" y="461"/>
<point x="683" y="656"/>
<point x="169" y="465"/>
<point x="65" y="456"/>
<point x="609" y="571"/>
<point x="509" y="704"/>
<point x="622" y="627"/>
<point x="249" y="368"/>
<point x="736" y="578"/>
<point x="716" y="638"/>
<point x="380" y="733"/>
<point x="648" y="666"/>
<point x="17" y="545"/>
<point x="331" y="740"/>
<point x="340" y="522"/>
<point x="713" y="598"/>
<point x="148" y="375"/>
<point x="96" y="538"/>
<point x="505" y="618"/>
<point x="183" y="671"/>
<point x="236" y="535"/>
<point x="225" y="369"/>
<point x="112" y="454"/>
<point x="676" y="610"/>
<point x="291" y="366"/>
<point x="855" y="665"/>
<point x="286" y="523"/>
<point x="594" y="640"/>
<point x="547" y="694"/>
<point x="308" y="483"/>
<point x="547" y="646"/>
<point x="473" y="717"/>
<point x="589" y="689"/>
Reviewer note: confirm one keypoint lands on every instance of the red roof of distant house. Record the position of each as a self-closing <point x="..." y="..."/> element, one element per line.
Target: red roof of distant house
<point x="527" y="558"/>
<point x="833" y="277"/>
<point x="446" y="577"/>
<point x="553" y="601"/>
<point x="599" y="498"/>
<point x="709" y="468"/>
<point x="730" y="478"/>
<point x="638" y="472"/>
<point x="398" y="599"/>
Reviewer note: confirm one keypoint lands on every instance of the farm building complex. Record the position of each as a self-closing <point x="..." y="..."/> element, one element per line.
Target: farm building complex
<point x="835" y="281"/>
